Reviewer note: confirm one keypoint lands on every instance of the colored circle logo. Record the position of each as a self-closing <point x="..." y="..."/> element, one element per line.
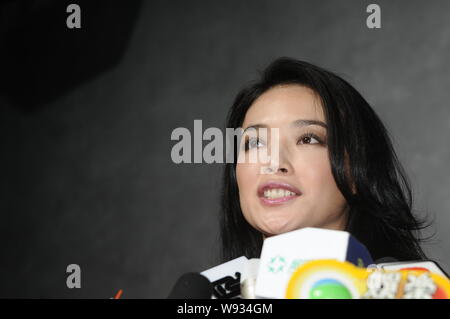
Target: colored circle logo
<point x="325" y="279"/>
<point x="329" y="289"/>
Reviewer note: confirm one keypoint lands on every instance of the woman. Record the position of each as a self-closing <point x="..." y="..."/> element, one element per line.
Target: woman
<point x="336" y="168"/>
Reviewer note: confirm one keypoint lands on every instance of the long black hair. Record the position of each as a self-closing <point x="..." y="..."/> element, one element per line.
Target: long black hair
<point x="380" y="205"/>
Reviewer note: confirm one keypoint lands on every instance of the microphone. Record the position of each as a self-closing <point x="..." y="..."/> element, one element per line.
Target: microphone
<point x="248" y="278"/>
<point x="282" y="254"/>
<point x="191" y="286"/>
<point x="389" y="263"/>
<point x="332" y="279"/>
<point x="381" y="261"/>
<point x="226" y="278"/>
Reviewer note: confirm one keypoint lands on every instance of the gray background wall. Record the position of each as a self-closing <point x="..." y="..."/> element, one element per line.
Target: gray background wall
<point x="88" y="178"/>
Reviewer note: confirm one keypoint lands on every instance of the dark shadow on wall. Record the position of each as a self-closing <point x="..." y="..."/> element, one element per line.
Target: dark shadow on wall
<point x="41" y="58"/>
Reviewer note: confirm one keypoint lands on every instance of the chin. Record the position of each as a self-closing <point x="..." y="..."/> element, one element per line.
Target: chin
<point x="276" y="227"/>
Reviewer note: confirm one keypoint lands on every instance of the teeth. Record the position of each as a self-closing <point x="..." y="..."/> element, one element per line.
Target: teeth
<point x="277" y="193"/>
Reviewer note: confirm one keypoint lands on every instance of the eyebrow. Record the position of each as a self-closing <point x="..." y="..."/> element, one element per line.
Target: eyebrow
<point x="301" y="123"/>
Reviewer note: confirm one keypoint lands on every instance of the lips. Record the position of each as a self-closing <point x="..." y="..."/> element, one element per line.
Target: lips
<point x="268" y="187"/>
<point x="277" y="185"/>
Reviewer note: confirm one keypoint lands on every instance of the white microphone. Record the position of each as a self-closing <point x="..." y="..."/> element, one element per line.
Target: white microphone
<point x="226" y="278"/>
<point x="283" y="254"/>
<point x="248" y="278"/>
<point x="427" y="265"/>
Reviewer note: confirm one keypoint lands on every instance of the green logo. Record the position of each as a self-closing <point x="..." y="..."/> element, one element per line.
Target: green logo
<point x="276" y="264"/>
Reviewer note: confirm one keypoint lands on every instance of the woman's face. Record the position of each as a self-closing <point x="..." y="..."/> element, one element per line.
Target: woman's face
<point x="301" y="191"/>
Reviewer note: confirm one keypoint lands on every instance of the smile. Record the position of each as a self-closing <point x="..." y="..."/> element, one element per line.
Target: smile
<point x="275" y="193"/>
<point x="277" y="201"/>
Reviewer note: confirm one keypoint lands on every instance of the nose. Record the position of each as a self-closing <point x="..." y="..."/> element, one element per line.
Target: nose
<point x="283" y="167"/>
<point x="282" y="170"/>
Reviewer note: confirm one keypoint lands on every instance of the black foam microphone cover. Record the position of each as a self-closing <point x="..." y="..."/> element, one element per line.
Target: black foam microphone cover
<point x="191" y="286"/>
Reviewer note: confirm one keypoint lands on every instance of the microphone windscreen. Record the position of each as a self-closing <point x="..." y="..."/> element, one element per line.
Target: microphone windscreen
<point x="191" y="286"/>
<point x="248" y="278"/>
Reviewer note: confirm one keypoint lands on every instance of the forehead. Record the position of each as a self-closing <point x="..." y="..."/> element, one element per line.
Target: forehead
<point x="284" y="104"/>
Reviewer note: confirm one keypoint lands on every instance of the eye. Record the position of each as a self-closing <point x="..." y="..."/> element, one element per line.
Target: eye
<point x="252" y="143"/>
<point x="309" y="138"/>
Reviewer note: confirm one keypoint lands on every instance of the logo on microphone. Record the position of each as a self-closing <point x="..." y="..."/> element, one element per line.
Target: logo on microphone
<point x="332" y="279"/>
<point x="277" y="264"/>
<point x="280" y="264"/>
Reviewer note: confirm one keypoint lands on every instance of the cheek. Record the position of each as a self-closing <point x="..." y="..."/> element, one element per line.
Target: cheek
<point x="320" y="173"/>
<point x="311" y="157"/>
<point x="245" y="176"/>
<point x="319" y="181"/>
<point x="315" y="174"/>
